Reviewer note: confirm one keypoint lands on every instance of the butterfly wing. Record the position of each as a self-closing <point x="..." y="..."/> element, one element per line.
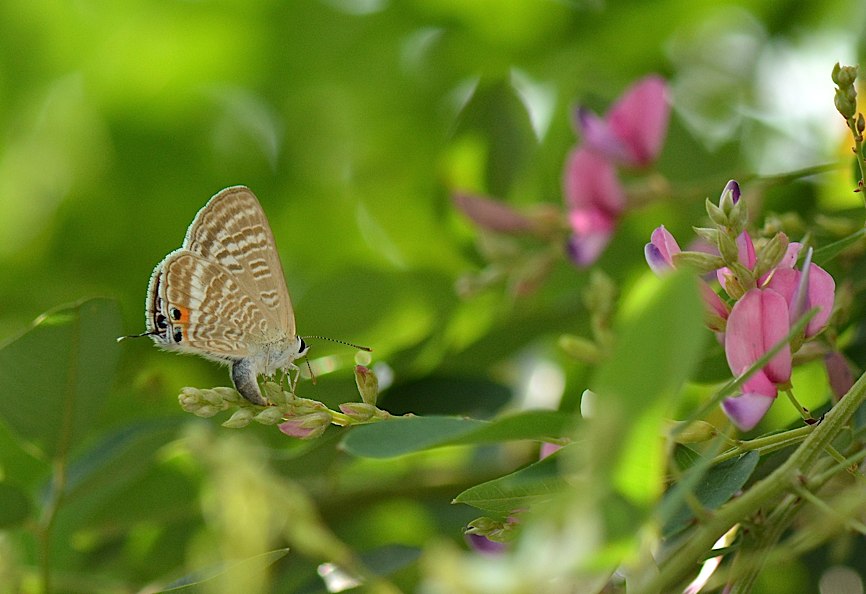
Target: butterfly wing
<point x="197" y="306"/>
<point x="232" y="231"/>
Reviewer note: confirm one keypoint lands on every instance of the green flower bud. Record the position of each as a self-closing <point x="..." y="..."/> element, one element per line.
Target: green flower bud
<point x="708" y="234"/>
<point x="362" y="412"/>
<point x="206" y="411"/>
<point x="368" y="384"/>
<point x="241" y="418"/>
<point x="716" y="214"/>
<point x="269" y="416"/>
<point x="694" y="432"/>
<point x="308" y="426"/>
<point x="580" y="348"/>
<point x="701" y="261"/>
<point x="771" y="254"/>
<point x="274" y="392"/>
<point x="728" y="248"/>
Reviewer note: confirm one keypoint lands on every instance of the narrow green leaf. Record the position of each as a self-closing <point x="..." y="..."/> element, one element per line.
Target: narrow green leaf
<point x="55" y="377"/>
<point x="521" y="489"/>
<point x="828" y="252"/>
<point x="404" y="435"/>
<point x="197" y="582"/>
<point x="717" y="486"/>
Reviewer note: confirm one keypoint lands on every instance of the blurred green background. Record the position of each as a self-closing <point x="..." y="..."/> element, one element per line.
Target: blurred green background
<point x="354" y="121"/>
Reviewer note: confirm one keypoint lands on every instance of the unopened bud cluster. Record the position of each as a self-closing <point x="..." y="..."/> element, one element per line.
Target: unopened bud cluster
<point x="730" y="246"/>
<point x="846" y="93"/>
<point x="297" y="417"/>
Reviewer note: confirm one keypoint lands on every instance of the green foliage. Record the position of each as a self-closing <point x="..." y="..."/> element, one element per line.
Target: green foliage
<point x="355" y="122"/>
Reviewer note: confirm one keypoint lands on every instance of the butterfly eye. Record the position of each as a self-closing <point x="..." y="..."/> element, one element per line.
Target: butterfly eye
<point x="302" y="347"/>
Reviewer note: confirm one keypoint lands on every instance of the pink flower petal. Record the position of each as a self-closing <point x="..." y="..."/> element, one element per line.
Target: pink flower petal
<point x="659" y="252"/>
<point x="492" y="214"/>
<point x="820" y="294"/>
<point x="791" y="254"/>
<point x="590" y="182"/>
<point x="822" y="290"/>
<point x="747" y="409"/>
<point x="597" y="135"/>
<point x="586" y="248"/>
<point x="640" y="119"/>
<point x="757" y="322"/>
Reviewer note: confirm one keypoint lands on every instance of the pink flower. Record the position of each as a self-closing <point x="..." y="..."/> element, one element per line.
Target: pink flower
<point x="661" y="249"/>
<point x="805" y="290"/>
<point x="492" y="214"/>
<point x="630" y="135"/>
<point x="660" y="252"/>
<point x="632" y="132"/>
<point x="757" y="322"/>
<point x="595" y="201"/>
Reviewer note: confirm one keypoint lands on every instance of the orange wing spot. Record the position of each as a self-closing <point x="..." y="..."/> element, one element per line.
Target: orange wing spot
<point x="179" y="315"/>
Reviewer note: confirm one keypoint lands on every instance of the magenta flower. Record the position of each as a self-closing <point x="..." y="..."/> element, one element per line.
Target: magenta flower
<point x="660" y="252"/>
<point x="804" y="291"/>
<point x="632" y="132"/>
<point x="757" y="322"/>
<point x="595" y="201"/>
<point x="661" y="249"/>
<point x="630" y="135"/>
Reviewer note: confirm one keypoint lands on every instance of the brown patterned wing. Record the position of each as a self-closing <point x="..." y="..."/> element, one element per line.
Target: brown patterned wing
<point x="207" y="310"/>
<point x="233" y="231"/>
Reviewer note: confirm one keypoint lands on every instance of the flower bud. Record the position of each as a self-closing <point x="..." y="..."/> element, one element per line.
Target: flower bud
<point x="274" y="392"/>
<point x="241" y="418"/>
<point x="708" y="234"/>
<point x="771" y="254"/>
<point x="694" y="432"/>
<point x="269" y="416"/>
<point x="716" y="214"/>
<point x="308" y="426"/>
<point x="701" y="261"/>
<point x="368" y="384"/>
<point x="728" y="248"/>
<point x="361" y="412"/>
<point x="190" y="399"/>
<point x="580" y="348"/>
<point x="492" y="214"/>
<point x="844" y="104"/>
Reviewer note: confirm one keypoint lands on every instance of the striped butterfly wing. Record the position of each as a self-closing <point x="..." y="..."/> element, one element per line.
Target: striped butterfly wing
<point x="232" y="231"/>
<point x="199" y="308"/>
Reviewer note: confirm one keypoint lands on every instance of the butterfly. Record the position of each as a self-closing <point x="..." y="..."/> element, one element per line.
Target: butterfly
<point x="222" y="295"/>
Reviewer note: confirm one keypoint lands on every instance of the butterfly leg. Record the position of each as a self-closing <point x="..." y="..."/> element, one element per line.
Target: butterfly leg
<point x="245" y="381"/>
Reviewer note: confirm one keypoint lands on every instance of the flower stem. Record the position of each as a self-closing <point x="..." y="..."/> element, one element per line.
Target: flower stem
<point x="677" y="567"/>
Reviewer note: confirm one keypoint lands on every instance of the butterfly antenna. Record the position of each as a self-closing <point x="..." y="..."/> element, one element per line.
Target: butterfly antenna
<point x="351" y="344"/>
<point x="142" y="335"/>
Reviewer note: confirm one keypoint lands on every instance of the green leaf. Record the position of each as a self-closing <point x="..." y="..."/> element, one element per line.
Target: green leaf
<point x="15" y="506"/>
<point x="55" y="377"/>
<point x="404" y="435"/>
<point x="521" y="489"/>
<point x="824" y="254"/>
<point x="196" y="582"/>
<point x="659" y="341"/>
<point x="713" y="489"/>
<point x="116" y="459"/>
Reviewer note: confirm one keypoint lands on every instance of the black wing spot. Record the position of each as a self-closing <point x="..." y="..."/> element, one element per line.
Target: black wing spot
<point x="161" y="322"/>
<point x="178" y="335"/>
<point x="175" y="313"/>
